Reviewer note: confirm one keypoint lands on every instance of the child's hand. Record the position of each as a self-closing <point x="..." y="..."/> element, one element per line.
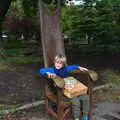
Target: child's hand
<point x="50" y="75"/>
<point x="83" y="69"/>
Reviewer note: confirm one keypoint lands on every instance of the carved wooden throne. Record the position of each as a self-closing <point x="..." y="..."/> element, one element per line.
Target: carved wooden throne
<point x="57" y="105"/>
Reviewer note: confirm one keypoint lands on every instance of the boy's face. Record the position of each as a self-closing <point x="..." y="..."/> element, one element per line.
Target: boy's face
<point x="58" y="65"/>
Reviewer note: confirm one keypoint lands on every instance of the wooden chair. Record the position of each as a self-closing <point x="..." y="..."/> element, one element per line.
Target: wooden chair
<point x="59" y="106"/>
<point x="56" y="107"/>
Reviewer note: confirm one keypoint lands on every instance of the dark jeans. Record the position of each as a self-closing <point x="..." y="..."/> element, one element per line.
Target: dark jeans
<point x="76" y="105"/>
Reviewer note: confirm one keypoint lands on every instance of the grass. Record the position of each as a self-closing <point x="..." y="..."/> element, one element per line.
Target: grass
<point x="107" y="94"/>
<point x="32" y="41"/>
<point x="22" y="60"/>
<point x="111" y="76"/>
<point x="6" y="107"/>
<point x="114" y="78"/>
<point x="7" y="64"/>
<point x="11" y="109"/>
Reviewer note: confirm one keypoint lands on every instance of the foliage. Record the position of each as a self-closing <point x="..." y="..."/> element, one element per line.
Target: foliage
<point x="16" y="9"/>
<point x="114" y="78"/>
<point x="108" y="94"/>
<point x="21" y="8"/>
<point x="118" y="98"/>
<point x="30" y="7"/>
<point x="70" y="20"/>
<point x="14" y="52"/>
<point x="19" y="22"/>
<point x="111" y="76"/>
<point x="97" y="22"/>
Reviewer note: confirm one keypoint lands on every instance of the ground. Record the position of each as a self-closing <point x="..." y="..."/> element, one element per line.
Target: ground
<point x="22" y="84"/>
<point x="104" y="108"/>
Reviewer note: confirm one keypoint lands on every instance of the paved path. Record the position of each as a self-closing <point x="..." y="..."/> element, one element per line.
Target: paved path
<point x="107" y="111"/>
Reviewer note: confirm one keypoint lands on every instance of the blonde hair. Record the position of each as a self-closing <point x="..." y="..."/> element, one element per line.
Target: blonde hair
<point x="60" y="58"/>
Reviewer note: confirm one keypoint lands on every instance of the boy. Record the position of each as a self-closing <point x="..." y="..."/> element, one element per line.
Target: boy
<point x="62" y="70"/>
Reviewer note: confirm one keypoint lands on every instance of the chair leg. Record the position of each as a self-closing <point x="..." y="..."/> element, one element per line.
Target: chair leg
<point x="63" y="112"/>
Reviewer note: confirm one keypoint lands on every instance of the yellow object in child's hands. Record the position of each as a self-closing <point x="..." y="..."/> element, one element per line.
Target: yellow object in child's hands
<point x="69" y="83"/>
<point x="73" y="87"/>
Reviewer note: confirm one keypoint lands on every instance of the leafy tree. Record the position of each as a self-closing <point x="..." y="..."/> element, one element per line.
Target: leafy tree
<point x="95" y="21"/>
<point x="30" y="7"/>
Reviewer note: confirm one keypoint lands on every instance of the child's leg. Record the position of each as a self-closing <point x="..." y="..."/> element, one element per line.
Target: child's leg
<point x="85" y="100"/>
<point x="75" y="107"/>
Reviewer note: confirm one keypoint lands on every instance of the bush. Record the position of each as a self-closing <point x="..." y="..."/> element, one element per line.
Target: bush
<point x="12" y="42"/>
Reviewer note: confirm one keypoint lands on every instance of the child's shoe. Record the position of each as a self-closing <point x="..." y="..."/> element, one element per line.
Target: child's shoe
<point x="85" y="118"/>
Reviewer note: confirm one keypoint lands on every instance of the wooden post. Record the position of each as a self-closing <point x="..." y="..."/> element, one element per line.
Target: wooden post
<point x="90" y="84"/>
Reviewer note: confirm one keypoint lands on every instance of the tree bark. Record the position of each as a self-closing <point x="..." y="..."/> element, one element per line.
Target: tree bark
<point x="51" y="34"/>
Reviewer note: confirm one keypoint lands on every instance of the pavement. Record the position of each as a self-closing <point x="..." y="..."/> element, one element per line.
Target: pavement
<point x="107" y="111"/>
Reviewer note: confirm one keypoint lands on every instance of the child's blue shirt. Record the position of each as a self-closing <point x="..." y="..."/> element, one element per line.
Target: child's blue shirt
<point x="63" y="72"/>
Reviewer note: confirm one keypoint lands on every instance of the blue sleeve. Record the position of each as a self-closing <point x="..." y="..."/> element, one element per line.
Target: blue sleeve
<point x="44" y="70"/>
<point x="71" y="67"/>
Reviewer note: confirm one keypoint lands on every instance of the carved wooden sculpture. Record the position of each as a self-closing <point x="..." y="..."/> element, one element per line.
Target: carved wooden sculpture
<point x="60" y="106"/>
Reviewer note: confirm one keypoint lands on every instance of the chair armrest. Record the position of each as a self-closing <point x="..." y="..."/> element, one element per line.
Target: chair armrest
<point x="90" y="74"/>
<point x="59" y="82"/>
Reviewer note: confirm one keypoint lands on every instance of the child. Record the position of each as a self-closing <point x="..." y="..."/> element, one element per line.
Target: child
<point x="62" y="70"/>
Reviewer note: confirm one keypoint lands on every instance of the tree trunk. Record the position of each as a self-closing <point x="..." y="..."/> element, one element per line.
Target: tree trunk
<point x="4" y="6"/>
<point x="51" y="35"/>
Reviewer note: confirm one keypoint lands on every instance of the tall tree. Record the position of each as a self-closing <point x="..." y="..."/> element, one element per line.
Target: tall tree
<point x="51" y="34"/>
